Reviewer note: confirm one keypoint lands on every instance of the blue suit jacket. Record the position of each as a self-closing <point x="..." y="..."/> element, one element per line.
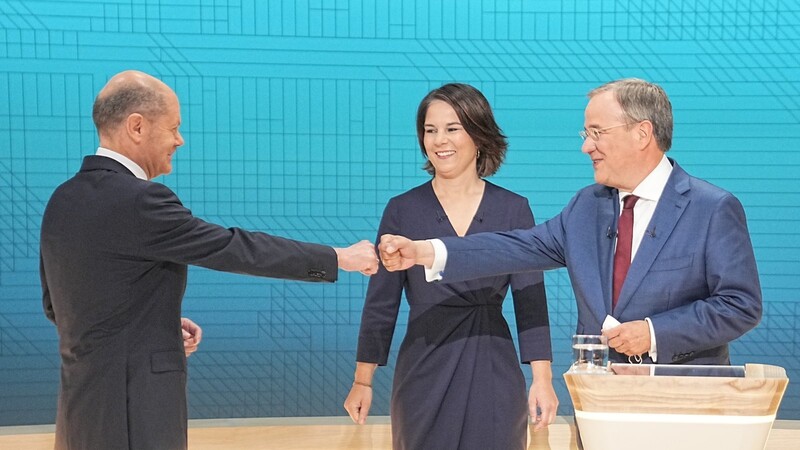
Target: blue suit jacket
<point x="694" y="274"/>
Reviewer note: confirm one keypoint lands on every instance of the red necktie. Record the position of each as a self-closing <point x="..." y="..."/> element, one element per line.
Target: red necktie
<point x="622" y="257"/>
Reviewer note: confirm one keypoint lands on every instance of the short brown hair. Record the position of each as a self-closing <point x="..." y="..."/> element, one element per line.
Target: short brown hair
<point x="476" y="117"/>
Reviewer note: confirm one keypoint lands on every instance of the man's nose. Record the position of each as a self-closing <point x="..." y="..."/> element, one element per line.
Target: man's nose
<point x="588" y="145"/>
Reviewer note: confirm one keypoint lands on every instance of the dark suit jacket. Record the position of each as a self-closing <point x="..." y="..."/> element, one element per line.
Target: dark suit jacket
<point x="694" y="274"/>
<point x="114" y="255"/>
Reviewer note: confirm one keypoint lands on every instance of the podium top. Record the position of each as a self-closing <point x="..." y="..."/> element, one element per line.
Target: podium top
<point x="677" y="370"/>
<point x="686" y="370"/>
<point x="752" y="390"/>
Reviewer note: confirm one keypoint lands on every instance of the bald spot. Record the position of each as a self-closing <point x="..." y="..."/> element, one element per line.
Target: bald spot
<point x="130" y="79"/>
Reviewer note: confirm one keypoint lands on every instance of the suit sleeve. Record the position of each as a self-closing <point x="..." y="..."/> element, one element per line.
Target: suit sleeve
<point x="381" y="306"/>
<point x="506" y="252"/>
<point x="170" y="232"/>
<point x="734" y="306"/>
<point x="530" y="303"/>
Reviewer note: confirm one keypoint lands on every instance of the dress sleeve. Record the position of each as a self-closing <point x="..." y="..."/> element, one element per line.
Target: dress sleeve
<point x="382" y="303"/>
<point x="530" y="303"/>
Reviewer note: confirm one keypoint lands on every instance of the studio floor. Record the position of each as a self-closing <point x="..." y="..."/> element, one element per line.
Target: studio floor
<point x="331" y="433"/>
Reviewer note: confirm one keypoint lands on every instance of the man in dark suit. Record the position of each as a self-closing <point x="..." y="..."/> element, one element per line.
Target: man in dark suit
<point x="114" y="254"/>
<point x="692" y="285"/>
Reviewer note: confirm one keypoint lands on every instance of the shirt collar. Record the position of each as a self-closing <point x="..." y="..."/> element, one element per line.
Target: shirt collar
<point x="654" y="183"/>
<point x="124" y="160"/>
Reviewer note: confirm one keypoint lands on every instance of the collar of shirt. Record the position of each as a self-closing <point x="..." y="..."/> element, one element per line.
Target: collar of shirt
<point x="122" y="159"/>
<point x="654" y="183"/>
<point x="649" y="192"/>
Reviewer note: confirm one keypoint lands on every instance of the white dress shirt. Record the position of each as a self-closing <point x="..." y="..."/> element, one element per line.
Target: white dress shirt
<point x="649" y="192"/>
<point x="124" y="160"/>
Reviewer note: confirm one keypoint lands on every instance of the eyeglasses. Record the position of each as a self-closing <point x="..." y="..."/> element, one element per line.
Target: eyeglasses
<point x="595" y="133"/>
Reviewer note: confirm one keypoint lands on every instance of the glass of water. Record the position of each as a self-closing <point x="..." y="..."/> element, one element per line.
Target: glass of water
<point x="590" y="354"/>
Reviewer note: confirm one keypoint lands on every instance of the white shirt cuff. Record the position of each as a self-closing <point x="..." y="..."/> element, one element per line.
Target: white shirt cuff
<point x="439" y="261"/>
<point x="653" y="350"/>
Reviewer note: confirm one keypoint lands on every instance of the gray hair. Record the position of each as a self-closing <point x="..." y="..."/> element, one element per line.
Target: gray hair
<point x="112" y="108"/>
<point x="641" y="100"/>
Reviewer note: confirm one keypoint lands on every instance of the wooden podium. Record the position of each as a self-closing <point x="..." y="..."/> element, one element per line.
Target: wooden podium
<point x="677" y="407"/>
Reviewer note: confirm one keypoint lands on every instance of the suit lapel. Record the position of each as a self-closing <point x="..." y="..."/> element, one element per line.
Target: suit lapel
<point x="669" y="210"/>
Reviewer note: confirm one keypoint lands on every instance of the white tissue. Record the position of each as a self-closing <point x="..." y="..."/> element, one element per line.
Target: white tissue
<point x="610" y="323"/>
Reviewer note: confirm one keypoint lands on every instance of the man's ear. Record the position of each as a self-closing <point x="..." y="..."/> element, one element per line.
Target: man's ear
<point x="134" y="126"/>
<point x="644" y="133"/>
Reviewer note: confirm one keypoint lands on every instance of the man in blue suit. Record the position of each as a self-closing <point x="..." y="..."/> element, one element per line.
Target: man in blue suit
<point x="692" y="285"/>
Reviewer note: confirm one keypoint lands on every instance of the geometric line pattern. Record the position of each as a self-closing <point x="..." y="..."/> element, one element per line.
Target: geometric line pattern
<point x="299" y="121"/>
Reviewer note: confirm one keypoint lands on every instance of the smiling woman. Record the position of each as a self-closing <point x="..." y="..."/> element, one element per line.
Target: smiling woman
<point x="450" y="150"/>
<point x="457" y="382"/>
<point x="469" y="111"/>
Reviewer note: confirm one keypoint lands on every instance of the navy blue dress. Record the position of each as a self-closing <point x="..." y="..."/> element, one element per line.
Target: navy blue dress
<point x="458" y="383"/>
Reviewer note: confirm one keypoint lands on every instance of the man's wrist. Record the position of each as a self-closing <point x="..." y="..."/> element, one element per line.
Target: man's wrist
<point x="338" y="252"/>
<point x="425" y="253"/>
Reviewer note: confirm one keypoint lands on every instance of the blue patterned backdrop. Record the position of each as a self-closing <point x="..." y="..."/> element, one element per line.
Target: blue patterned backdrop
<point x="299" y="120"/>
